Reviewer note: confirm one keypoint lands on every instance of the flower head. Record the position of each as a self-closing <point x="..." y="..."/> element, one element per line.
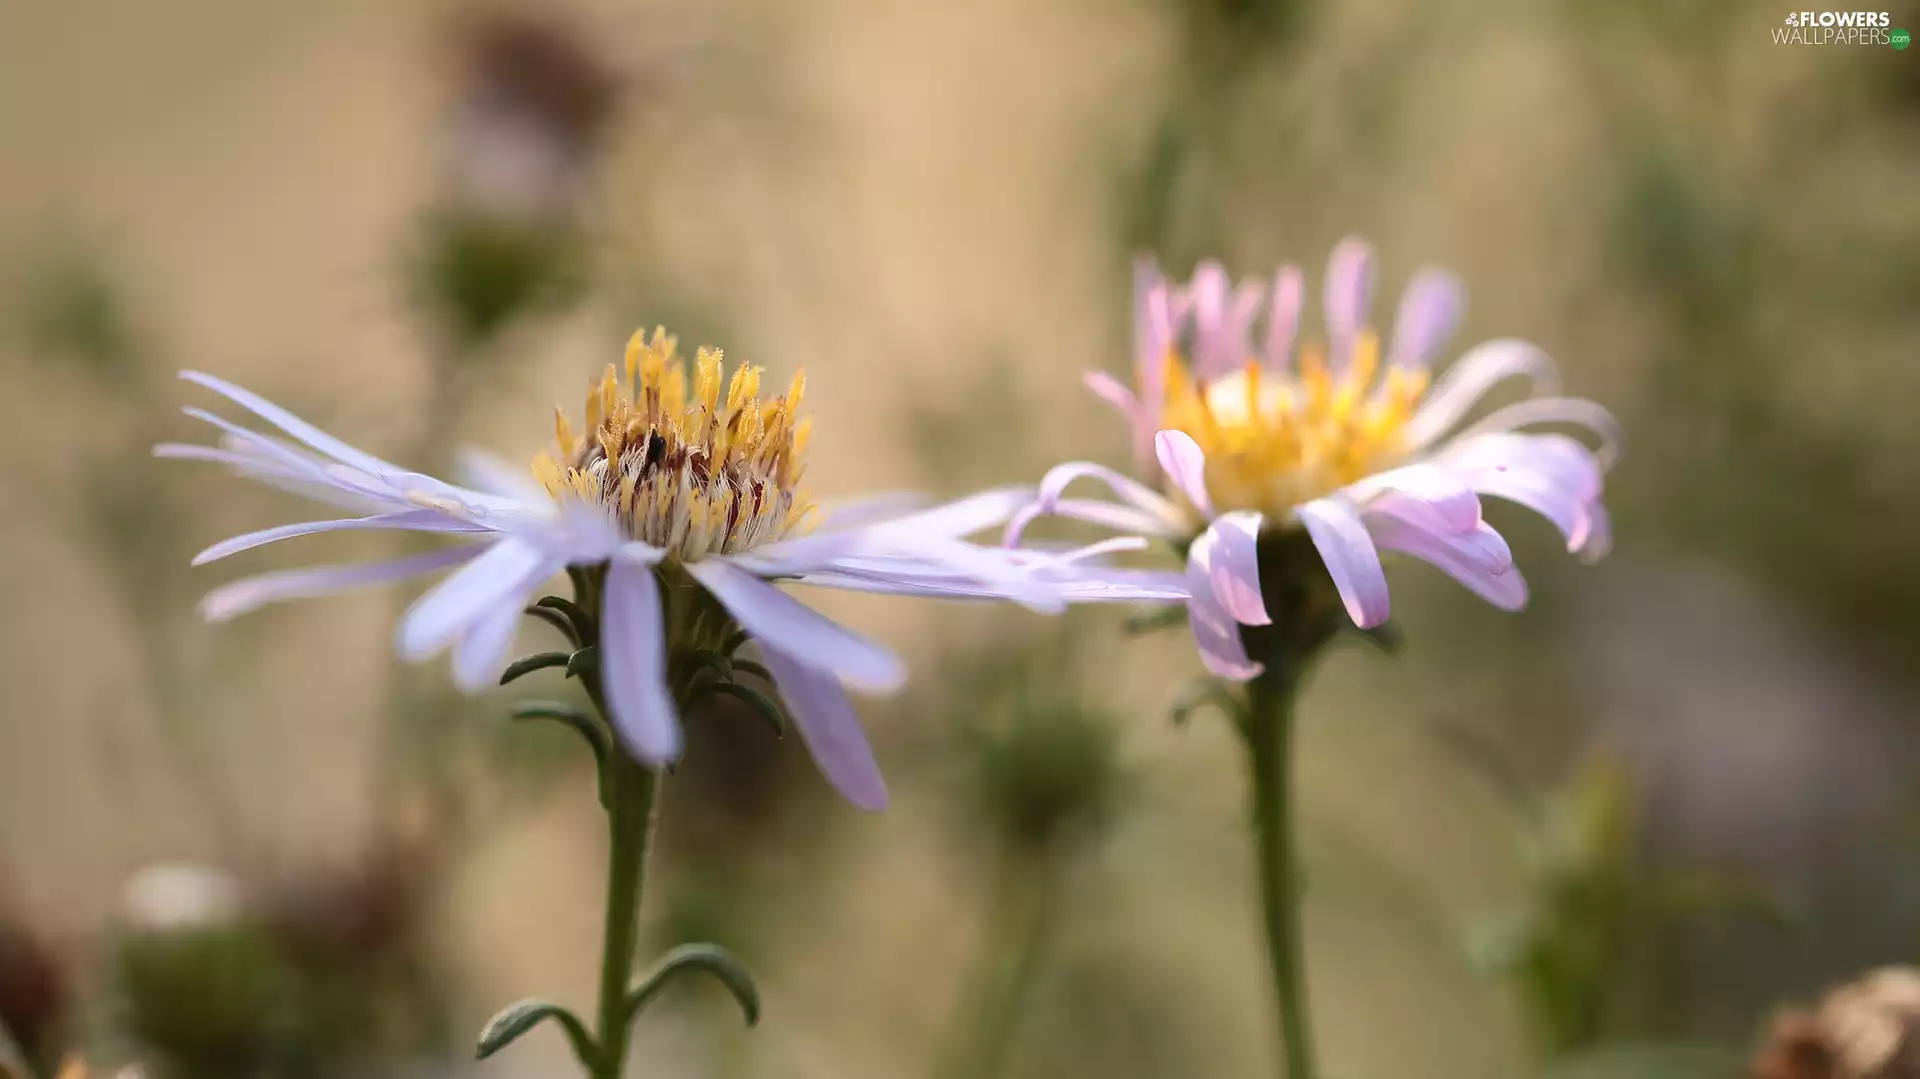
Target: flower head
<point x="1357" y="449"/>
<point x="680" y="503"/>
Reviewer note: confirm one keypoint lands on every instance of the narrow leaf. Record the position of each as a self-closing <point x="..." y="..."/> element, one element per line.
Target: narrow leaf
<point x="583" y="628"/>
<point x="581" y="724"/>
<point x="518" y="1018"/>
<point x="526" y="665"/>
<point x="747" y="666"/>
<point x="1202" y="692"/>
<point x="759" y="703"/>
<point x="734" y="640"/>
<point x="710" y="958"/>
<point x="558" y="621"/>
<point x="587" y="659"/>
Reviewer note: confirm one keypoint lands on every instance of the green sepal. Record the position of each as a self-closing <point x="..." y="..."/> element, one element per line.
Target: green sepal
<point x="526" y="665"/>
<point x="716" y="666"/>
<point x="734" y="640"/>
<point x="585" y="660"/>
<point x="765" y="707"/>
<point x="521" y="1016"/>
<point x="1386" y="637"/>
<point x="1201" y="692"/>
<point x="581" y="724"/>
<point x="583" y="627"/>
<point x="747" y="666"/>
<point x="711" y="958"/>
<point x="558" y="621"/>
<point x="1159" y="618"/>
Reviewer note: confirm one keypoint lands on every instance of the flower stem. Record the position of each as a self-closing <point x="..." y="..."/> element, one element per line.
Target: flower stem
<point x="1269" y="736"/>
<point x="632" y="787"/>
<point x="1021" y="923"/>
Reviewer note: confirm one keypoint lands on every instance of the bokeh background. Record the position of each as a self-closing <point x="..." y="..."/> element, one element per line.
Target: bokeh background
<point x="1611" y="835"/>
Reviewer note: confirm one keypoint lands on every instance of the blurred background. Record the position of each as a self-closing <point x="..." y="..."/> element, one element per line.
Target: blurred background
<point x="1614" y="835"/>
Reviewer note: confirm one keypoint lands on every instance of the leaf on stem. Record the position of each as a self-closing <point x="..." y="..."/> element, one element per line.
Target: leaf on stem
<point x="710" y="958"/>
<point x="519" y="1017"/>
<point x="526" y="665"/>
<point x="1202" y="692"/>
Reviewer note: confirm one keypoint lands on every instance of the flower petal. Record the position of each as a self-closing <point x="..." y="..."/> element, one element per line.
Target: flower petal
<point x="1397" y="518"/>
<point x="1185" y="464"/>
<point x="1113" y="392"/>
<point x="291" y="424"/>
<point x="408" y="520"/>
<point x="1447" y="496"/>
<point x="1345" y="547"/>
<point x="1574" y="411"/>
<point x="1430" y="311"/>
<point x="239" y="597"/>
<point x="1349" y="294"/>
<point x="1128" y="489"/>
<point x="503" y="575"/>
<point x="1283" y="316"/>
<point x="829" y="727"/>
<point x="633" y="664"/>
<point x="778" y="619"/>
<point x="481" y="652"/>
<point x="1470" y="558"/>
<point x="1551" y="475"/>
<point x="1469" y="378"/>
<point x="1215" y="632"/>
<point x="1231" y="553"/>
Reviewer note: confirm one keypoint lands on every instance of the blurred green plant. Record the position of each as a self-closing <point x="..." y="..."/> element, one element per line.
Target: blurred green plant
<point x="1595" y="897"/>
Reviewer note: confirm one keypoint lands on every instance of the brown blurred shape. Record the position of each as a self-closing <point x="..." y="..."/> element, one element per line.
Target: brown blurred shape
<point x="1867" y="1029"/>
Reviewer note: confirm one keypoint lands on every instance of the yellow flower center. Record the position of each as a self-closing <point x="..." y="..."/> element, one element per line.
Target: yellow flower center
<point x="676" y="465"/>
<point x="1276" y="440"/>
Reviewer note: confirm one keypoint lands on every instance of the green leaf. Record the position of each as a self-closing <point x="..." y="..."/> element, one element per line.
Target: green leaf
<point x="1386" y="637"/>
<point x="765" y="707"/>
<point x="1201" y="692"/>
<point x="583" y="661"/>
<point x="1157" y="619"/>
<point x="580" y="723"/>
<point x="572" y="612"/>
<point x="710" y="958"/>
<point x="734" y="640"/>
<point x="558" y="621"/>
<point x="747" y="666"/>
<point x="716" y="666"/>
<point x="526" y="665"/>
<point x="518" y="1018"/>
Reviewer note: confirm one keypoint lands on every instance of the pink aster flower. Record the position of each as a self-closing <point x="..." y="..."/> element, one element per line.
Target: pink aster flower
<point x="1239" y="433"/>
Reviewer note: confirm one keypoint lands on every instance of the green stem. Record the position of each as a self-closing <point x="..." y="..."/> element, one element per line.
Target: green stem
<point x="1269" y="737"/>
<point x="1022" y="920"/>
<point x="630" y="826"/>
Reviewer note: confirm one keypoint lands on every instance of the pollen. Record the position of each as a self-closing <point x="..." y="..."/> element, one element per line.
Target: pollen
<point x="1274" y="440"/>
<point x="680" y="464"/>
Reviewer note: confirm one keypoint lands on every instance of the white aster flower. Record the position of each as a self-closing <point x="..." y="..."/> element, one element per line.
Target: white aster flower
<point x="682" y="501"/>
<point x="1246" y="442"/>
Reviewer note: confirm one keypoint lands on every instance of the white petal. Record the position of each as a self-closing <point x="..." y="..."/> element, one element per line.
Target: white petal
<point x="870" y="510"/>
<point x="633" y="664"/>
<point x="1345" y="547"/>
<point x="784" y="622"/>
<point x="239" y="597"/>
<point x="291" y="424"/>
<point x="1112" y="515"/>
<point x="1447" y="495"/>
<point x="502" y="575"/>
<point x="1430" y="311"/>
<point x="1469" y="379"/>
<point x="1229" y="550"/>
<point x="408" y="520"/>
<point x="1398" y="517"/>
<point x="1185" y="464"/>
<point x="1215" y="632"/>
<point x="481" y="652"/>
<point x="488" y="474"/>
<point x="1562" y="410"/>
<point x="828" y="726"/>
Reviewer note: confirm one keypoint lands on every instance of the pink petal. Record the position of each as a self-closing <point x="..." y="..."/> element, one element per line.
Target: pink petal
<point x="1283" y="316"/>
<point x="1470" y="559"/>
<point x="1229" y="551"/>
<point x="1349" y="294"/>
<point x="1185" y="464"/>
<point x="1430" y="311"/>
<point x="1469" y="379"/>
<point x="1215" y="632"/>
<point x="1351" y="560"/>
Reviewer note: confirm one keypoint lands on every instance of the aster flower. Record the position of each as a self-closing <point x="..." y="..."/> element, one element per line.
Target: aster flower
<point x="1250" y="439"/>
<point x="683" y="498"/>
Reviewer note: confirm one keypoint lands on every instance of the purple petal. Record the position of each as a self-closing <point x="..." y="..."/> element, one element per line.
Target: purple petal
<point x="239" y="597"/>
<point x="1128" y="489"/>
<point x="1219" y="330"/>
<point x="1430" y="311"/>
<point x="1446" y="495"/>
<point x="1230" y="552"/>
<point x="1467" y="558"/>
<point x="1469" y="379"/>
<point x="778" y="619"/>
<point x="291" y="424"/>
<point x="829" y="727"/>
<point x="1551" y="475"/>
<point x="1479" y="545"/>
<point x="502" y="576"/>
<point x="1215" y="632"/>
<point x="1283" y="316"/>
<point x="481" y="652"/>
<point x="1185" y="464"/>
<point x="1345" y="547"/>
<point x="633" y="664"/>
<point x="1349" y="295"/>
<point x="409" y="520"/>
